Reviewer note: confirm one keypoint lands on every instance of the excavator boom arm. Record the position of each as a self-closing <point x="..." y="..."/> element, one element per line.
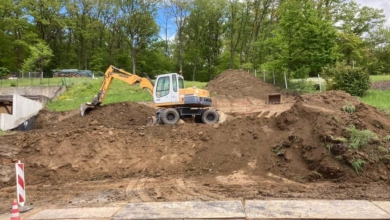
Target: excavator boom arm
<point x="116" y="73"/>
<point x="129" y="78"/>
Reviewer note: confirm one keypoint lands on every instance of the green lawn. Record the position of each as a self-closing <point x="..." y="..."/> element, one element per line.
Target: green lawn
<point x="380" y="78"/>
<point x="119" y="91"/>
<point x="378" y="98"/>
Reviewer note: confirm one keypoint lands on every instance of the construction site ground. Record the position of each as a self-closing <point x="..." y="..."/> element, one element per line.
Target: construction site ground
<point x="298" y="149"/>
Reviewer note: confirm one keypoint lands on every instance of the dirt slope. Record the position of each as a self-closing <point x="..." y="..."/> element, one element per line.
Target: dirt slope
<point x="301" y="152"/>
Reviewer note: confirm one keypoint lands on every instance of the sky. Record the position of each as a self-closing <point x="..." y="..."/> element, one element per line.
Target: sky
<point x="379" y="4"/>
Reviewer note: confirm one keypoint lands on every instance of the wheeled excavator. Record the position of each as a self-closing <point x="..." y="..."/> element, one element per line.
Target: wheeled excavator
<point x="171" y="99"/>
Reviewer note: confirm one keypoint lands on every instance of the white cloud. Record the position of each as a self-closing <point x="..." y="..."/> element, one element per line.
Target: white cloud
<point x="379" y="4"/>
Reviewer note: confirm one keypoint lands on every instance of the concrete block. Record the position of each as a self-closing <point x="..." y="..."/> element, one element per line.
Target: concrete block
<point x="385" y="205"/>
<point x="75" y="213"/>
<point x="22" y="109"/>
<point x="182" y="210"/>
<point x="313" y="209"/>
<point x="48" y="91"/>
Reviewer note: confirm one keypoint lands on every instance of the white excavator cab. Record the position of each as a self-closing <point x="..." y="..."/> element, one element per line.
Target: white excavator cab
<point x="167" y="89"/>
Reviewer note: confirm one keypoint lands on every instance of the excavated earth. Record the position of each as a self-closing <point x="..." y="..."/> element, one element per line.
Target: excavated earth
<point x="297" y="149"/>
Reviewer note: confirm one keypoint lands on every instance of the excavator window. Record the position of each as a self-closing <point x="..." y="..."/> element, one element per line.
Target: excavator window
<point x="162" y="87"/>
<point x="181" y="83"/>
<point x="174" y="82"/>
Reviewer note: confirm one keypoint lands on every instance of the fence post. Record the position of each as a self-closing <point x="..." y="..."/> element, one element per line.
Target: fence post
<point x="273" y="75"/>
<point x="319" y="82"/>
<point x="285" y="79"/>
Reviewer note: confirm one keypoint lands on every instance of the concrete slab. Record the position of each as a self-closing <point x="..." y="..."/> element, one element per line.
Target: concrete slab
<point x="22" y="109"/>
<point x="313" y="209"/>
<point x="385" y="205"/>
<point x="182" y="210"/>
<point x="75" y="213"/>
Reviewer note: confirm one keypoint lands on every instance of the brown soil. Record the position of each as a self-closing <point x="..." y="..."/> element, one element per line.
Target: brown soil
<point x="109" y="155"/>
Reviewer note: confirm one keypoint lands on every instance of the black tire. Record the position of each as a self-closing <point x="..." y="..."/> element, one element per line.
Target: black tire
<point x="210" y="116"/>
<point x="198" y="119"/>
<point x="170" y="116"/>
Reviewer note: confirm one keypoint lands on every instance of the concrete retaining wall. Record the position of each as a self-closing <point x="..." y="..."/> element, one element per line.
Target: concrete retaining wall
<point x="23" y="109"/>
<point x="49" y="91"/>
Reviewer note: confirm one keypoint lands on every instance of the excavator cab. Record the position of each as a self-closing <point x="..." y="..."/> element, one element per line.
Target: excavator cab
<point x="167" y="88"/>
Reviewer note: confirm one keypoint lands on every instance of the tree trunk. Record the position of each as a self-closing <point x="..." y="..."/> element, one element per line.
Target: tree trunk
<point x="133" y="60"/>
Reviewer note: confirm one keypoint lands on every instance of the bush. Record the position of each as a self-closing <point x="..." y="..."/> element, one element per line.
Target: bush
<point x="355" y="81"/>
<point x="3" y="72"/>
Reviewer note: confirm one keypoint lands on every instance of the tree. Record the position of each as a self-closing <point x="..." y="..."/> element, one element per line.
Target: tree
<point x="137" y="25"/>
<point x="38" y="59"/>
<point x="3" y="72"/>
<point x="303" y="39"/>
<point x="179" y="11"/>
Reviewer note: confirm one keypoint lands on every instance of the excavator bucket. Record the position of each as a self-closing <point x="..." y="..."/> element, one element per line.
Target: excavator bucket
<point x="274" y="98"/>
<point x="85" y="108"/>
<point x="151" y="121"/>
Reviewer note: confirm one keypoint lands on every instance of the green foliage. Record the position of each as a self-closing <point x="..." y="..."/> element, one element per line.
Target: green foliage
<point x="304" y="40"/>
<point x="355" y="81"/>
<point x="39" y="57"/>
<point x="383" y="149"/>
<point x="298" y="37"/>
<point x="360" y="138"/>
<point x="4" y="72"/>
<point x="349" y="108"/>
<point x="357" y="165"/>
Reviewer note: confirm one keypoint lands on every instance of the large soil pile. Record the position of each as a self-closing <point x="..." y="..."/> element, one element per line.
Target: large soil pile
<point x="309" y="142"/>
<point x="239" y="84"/>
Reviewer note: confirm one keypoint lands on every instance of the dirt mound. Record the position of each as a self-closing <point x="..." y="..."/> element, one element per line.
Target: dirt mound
<point x="239" y="84"/>
<point x="311" y="140"/>
<point x="315" y="140"/>
<point x="118" y="115"/>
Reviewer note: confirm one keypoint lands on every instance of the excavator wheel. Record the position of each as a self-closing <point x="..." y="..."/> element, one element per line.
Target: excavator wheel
<point x="151" y="121"/>
<point x="210" y="116"/>
<point x="170" y="116"/>
<point x="198" y="119"/>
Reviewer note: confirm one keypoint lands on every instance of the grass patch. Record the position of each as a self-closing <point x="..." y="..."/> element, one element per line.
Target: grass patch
<point x="380" y="78"/>
<point x="357" y="165"/>
<point x="349" y="108"/>
<point x="377" y="98"/>
<point x="383" y="149"/>
<point x="360" y="138"/>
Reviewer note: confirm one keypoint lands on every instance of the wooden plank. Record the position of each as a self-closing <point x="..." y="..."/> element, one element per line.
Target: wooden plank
<point x="182" y="210"/>
<point x="313" y="209"/>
